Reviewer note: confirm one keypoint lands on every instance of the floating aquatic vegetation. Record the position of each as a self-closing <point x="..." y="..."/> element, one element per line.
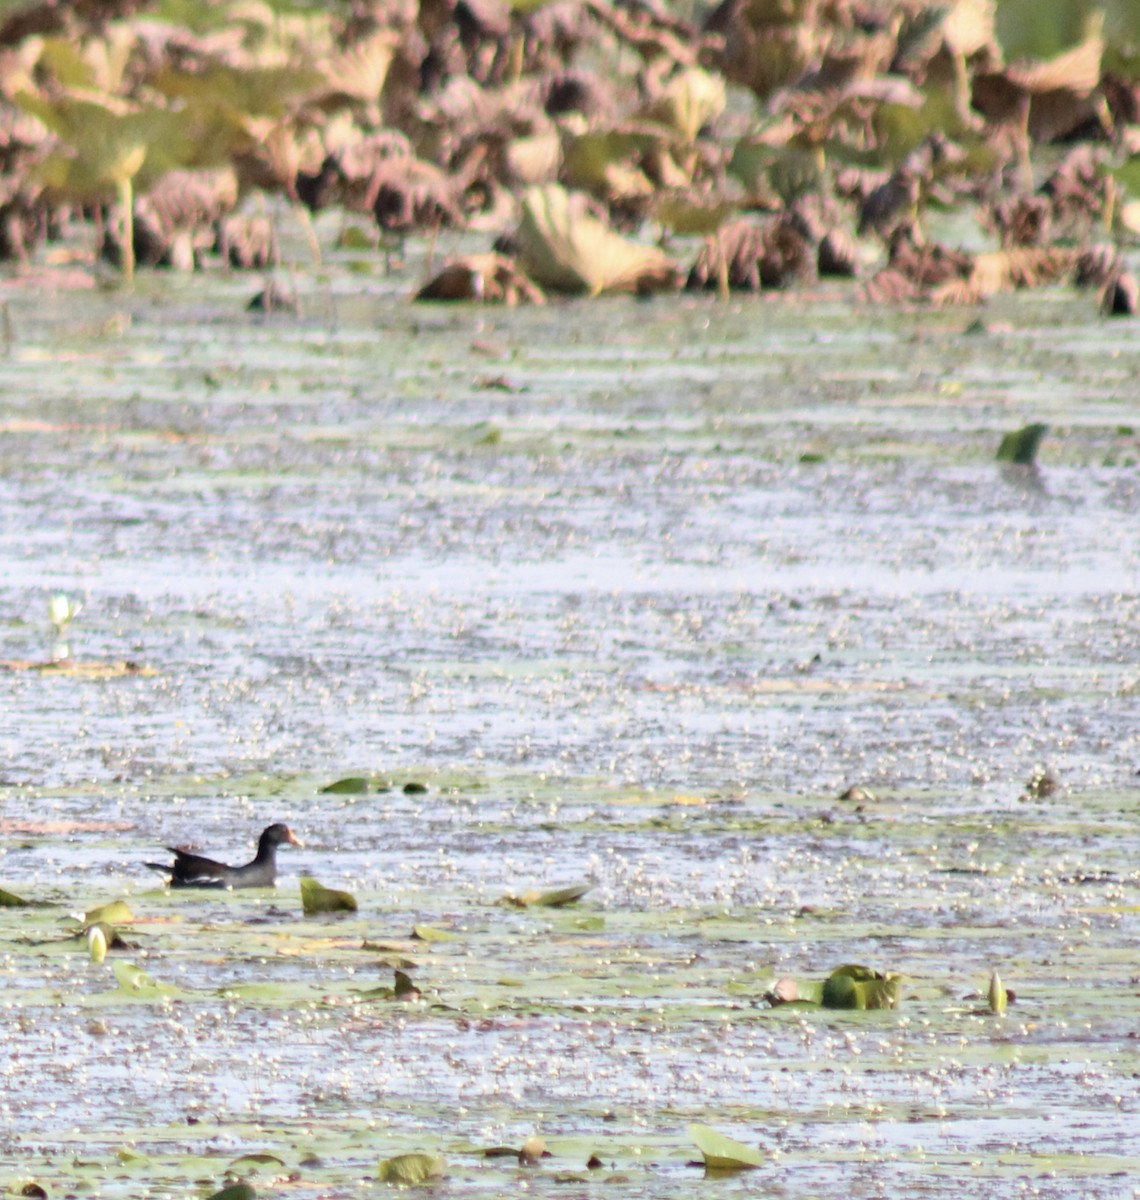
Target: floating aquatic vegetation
<point x="350" y="785"/>
<point x="1020" y="446"/>
<point x="848" y="987"/>
<point x="410" y="1169"/>
<point x="556" y="898"/>
<point x="722" y="1154"/>
<point x="317" y="899"/>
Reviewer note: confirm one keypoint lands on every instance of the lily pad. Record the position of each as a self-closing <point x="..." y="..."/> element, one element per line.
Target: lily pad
<point x="723" y="1153"/>
<point x="411" y="1168"/>
<point x="135" y="981"/>
<point x="316" y="898"/>
<point x="556" y="898"/>
<point x="115" y="913"/>
<point x="350" y="785"/>
<point x="1020" y="446"/>
<point x="236" y="1191"/>
<point x="429" y="933"/>
<point x="856" y="987"/>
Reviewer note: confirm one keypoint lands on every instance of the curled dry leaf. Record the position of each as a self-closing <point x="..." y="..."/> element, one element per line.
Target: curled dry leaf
<point x="752" y="256"/>
<point x="564" y="247"/>
<point x="689" y="100"/>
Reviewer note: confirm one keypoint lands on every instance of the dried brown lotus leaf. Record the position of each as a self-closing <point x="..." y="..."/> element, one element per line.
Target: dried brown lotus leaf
<point x="1077" y="70"/>
<point x="534" y="160"/>
<point x="690" y="100"/>
<point x="564" y="247"/>
<point x="360" y="71"/>
<point x="969" y="26"/>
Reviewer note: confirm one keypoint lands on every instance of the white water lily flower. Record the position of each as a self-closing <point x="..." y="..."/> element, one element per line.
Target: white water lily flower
<point x="62" y="611"/>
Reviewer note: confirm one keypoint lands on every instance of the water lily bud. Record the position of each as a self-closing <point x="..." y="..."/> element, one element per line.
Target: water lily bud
<point x="997" y="995"/>
<point x="96" y="944"/>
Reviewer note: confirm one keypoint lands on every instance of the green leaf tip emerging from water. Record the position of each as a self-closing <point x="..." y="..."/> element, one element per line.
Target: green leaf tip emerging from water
<point x="724" y="1153"/>
<point x="11" y="900"/>
<point x="855" y="987"/>
<point x="552" y="899"/>
<point x="1020" y="446"/>
<point x="316" y="898"/>
<point x="411" y="1168"/>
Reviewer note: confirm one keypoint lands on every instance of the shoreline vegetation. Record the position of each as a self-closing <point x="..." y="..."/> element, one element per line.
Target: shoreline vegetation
<point x="589" y="141"/>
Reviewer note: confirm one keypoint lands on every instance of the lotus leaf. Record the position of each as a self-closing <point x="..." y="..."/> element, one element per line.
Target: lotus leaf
<point x="564" y="247"/>
<point x="691" y="99"/>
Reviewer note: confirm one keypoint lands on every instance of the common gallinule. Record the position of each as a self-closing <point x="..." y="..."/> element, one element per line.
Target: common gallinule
<point x="192" y="870"/>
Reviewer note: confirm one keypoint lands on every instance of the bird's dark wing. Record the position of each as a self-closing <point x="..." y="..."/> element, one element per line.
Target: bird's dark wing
<point x="194" y="870"/>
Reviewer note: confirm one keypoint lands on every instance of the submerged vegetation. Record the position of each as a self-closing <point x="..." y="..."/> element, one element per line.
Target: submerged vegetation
<point x="584" y="136"/>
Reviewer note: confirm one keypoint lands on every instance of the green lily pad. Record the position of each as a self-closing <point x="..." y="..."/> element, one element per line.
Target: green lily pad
<point x="411" y="1168"/>
<point x="855" y="987"/>
<point x="115" y="913"/>
<point x="405" y="986"/>
<point x="1020" y="445"/>
<point x="316" y="898"/>
<point x="723" y="1153"/>
<point x="260" y="1159"/>
<point x="429" y="933"/>
<point x="552" y="899"/>
<point x="135" y="981"/>
<point x="351" y="785"/>
<point x="236" y="1191"/>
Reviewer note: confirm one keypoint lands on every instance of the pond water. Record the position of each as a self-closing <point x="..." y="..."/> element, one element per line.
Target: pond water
<point x="636" y="590"/>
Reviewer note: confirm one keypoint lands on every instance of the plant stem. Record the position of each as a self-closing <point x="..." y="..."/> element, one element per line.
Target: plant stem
<point x="127" y="204"/>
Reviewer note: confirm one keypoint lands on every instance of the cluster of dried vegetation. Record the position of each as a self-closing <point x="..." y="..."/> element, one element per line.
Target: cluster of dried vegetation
<point x="795" y="138"/>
